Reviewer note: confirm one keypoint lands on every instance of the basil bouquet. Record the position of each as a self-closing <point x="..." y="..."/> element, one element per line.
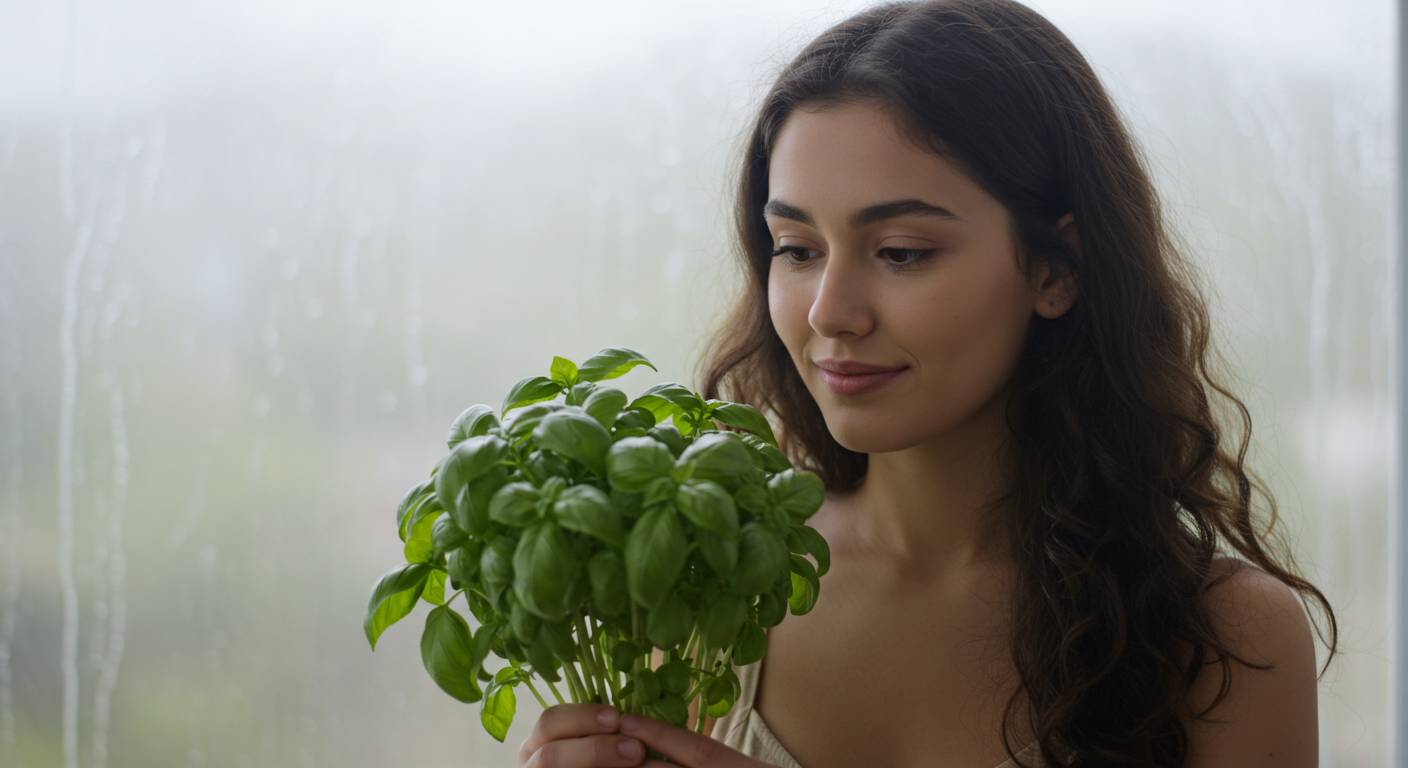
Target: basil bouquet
<point x="585" y="534"/>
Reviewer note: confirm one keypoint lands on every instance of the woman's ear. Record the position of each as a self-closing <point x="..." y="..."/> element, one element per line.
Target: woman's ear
<point x="1056" y="286"/>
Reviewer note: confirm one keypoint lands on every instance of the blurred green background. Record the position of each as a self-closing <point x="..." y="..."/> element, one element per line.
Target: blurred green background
<point x="255" y="257"/>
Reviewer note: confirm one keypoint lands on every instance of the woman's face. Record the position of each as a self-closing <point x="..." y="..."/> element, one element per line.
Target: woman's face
<point x="936" y="293"/>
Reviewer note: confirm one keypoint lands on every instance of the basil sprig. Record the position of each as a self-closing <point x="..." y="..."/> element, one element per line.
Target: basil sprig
<point x="585" y="534"/>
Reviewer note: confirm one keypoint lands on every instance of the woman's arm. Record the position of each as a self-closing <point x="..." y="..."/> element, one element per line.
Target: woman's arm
<point x="1270" y="716"/>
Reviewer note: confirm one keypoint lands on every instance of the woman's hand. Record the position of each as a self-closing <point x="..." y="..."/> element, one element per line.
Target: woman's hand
<point x="682" y="747"/>
<point x="579" y="736"/>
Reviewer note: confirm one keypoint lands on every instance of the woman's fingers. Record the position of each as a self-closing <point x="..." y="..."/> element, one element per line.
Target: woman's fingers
<point x="601" y="751"/>
<point x="568" y="721"/>
<point x="683" y="747"/>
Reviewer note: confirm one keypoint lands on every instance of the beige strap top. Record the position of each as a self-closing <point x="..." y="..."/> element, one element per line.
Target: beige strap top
<point x="744" y="729"/>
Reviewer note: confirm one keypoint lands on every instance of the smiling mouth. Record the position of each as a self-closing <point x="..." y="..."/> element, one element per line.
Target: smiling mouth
<point x="857" y="383"/>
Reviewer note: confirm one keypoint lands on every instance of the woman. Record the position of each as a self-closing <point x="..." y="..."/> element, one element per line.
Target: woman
<point x="1041" y="553"/>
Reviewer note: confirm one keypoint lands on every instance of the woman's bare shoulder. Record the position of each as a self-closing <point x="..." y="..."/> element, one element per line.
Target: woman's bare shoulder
<point x="1267" y="717"/>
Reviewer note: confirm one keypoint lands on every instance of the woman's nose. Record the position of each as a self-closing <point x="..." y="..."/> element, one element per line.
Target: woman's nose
<point x="842" y="302"/>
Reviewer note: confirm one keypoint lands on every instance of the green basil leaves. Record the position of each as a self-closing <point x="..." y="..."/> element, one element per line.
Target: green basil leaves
<point x="586" y="529"/>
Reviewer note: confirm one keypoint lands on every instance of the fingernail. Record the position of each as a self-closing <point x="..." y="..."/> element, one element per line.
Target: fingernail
<point x="630" y="723"/>
<point x="608" y="717"/>
<point x="630" y="748"/>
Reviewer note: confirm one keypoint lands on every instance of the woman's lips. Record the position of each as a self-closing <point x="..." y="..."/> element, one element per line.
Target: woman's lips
<point x="855" y="384"/>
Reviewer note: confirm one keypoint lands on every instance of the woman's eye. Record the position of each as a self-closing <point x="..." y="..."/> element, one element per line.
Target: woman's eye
<point x="911" y="257"/>
<point x="791" y="249"/>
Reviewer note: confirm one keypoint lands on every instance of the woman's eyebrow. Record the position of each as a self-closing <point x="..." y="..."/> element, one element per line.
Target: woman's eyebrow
<point x="868" y="215"/>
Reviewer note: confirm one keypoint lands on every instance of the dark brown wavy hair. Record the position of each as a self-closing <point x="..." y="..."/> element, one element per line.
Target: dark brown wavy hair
<point x="1124" y="495"/>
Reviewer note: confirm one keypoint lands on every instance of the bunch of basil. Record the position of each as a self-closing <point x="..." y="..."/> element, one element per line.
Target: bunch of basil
<point x="587" y="533"/>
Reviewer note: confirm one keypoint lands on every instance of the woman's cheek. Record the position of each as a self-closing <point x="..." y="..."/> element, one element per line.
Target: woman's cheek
<point x="789" y="313"/>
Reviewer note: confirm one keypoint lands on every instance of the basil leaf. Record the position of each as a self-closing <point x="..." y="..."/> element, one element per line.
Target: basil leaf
<point x="533" y="389"/>
<point x="446" y="536"/>
<point x="574" y="434"/>
<point x="655" y="555"/>
<point x="462" y="564"/>
<point x="667" y="434"/>
<point x="607" y="573"/>
<point x="579" y="393"/>
<point x="496" y="568"/>
<point x="469" y="460"/>
<point x="674" y="676"/>
<point x="515" y="504"/>
<point x="445" y="652"/>
<point x="525" y="625"/>
<point x="744" y="417"/>
<point x="720" y="553"/>
<point x="434" y="592"/>
<point x="497" y="709"/>
<point x="768" y="456"/>
<point x="540" y="655"/>
<point x="722" y="621"/>
<point x="648" y="685"/>
<point x="804" y="585"/>
<point x="419" y="548"/>
<point x="423" y="504"/>
<point x="508" y="676"/>
<point x="771" y="610"/>
<point x="624" y="654"/>
<point x="717" y="456"/>
<point x="668" y="625"/>
<point x="547" y="464"/>
<point x="633" y="462"/>
<point x="671" y="709"/>
<point x="797" y="493"/>
<point x="751" y="645"/>
<point x="523" y="422"/>
<point x="661" y="490"/>
<point x="719" y="695"/>
<point x="393" y="597"/>
<point x="604" y="405"/>
<point x="753" y="499"/>
<point x="707" y="505"/>
<point x="633" y="422"/>
<point x="814" y="544"/>
<point x="558" y="636"/>
<point x="563" y="372"/>
<point x="762" y="558"/>
<point x="474" y="421"/>
<point x="585" y="509"/>
<point x="544" y="569"/>
<point x="416" y="494"/>
<point x="471" y="511"/>
<point x="667" y="400"/>
<point x="611" y="363"/>
<point x="480" y="645"/>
